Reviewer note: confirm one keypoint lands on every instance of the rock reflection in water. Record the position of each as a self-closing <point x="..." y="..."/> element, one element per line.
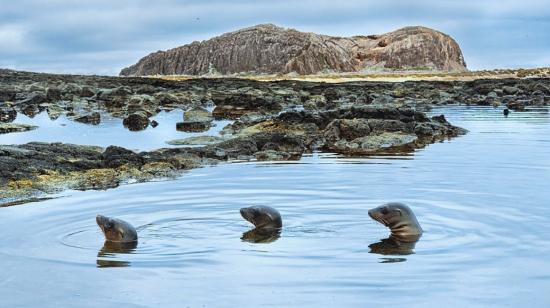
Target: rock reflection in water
<point x="394" y="246"/>
<point x="110" y="250"/>
<point x="261" y="235"/>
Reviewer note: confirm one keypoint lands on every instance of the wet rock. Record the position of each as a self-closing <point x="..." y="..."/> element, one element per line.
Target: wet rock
<point x="376" y="143"/>
<point x="6" y="128"/>
<point x="92" y="118"/>
<point x="229" y="112"/>
<point x="197" y="114"/>
<point x="7" y="114"/>
<point x="136" y="121"/>
<point x="154" y="123"/>
<point x="195" y="120"/>
<point x="271" y="155"/>
<point x="197" y="140"/>
<point x="115" y="156"/>
<point x="347" y="129"/>
<point x="193" y="127"/>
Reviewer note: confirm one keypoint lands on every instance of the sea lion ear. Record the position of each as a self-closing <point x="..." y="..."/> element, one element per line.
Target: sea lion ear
<point x="399" y="211"/>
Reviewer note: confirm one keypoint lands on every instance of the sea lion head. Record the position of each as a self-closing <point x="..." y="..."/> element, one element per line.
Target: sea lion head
<point x="264" y="217"/>
<point x="116" y="230"/>
<point x="399" y="218"/>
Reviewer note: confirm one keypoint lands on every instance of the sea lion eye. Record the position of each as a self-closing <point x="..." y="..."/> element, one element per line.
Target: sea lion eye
<point x="384" y="210"/>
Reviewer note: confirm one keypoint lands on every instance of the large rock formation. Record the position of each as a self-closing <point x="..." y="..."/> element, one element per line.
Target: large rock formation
<point x="268" y="49"/>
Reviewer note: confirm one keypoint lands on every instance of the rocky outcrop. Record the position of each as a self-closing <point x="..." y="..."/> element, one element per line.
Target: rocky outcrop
<point x="268" y="49"/>
<point x="272" y="121"/>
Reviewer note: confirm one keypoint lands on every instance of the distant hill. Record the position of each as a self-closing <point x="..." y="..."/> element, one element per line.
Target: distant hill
<point x="269" y="49"/>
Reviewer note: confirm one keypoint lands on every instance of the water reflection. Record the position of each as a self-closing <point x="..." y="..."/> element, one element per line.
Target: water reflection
<point x="261" y="235"/>
<point x="394" y="246"/>
<point x="111" y="250"/>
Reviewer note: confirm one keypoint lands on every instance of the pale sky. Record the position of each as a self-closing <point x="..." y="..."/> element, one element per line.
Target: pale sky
<point x="103" y="36"/>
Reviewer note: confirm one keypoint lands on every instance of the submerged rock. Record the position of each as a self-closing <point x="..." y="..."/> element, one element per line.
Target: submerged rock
<point x="197" y="140"/>
<point x="6" y="128"/>
<point x="272" y="155"/>
<point x="92" y="118"/>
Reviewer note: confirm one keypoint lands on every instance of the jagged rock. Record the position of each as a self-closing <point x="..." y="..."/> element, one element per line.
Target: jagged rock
<point x="271" y="49"/>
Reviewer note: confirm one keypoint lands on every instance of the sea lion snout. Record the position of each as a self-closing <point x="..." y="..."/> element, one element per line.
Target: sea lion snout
<point x="247" y="214"/>
<point x="103" y="222"/>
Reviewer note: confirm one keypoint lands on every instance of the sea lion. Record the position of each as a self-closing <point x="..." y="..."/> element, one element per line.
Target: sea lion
<point x="400" y="219"/>
<point x="267" y="222"/>
<point x="116" y="230"/>
<point x="262" y="217"/>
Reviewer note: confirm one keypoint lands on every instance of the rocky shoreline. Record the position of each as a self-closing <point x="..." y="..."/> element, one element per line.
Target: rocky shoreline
<point x="277" y="120"/>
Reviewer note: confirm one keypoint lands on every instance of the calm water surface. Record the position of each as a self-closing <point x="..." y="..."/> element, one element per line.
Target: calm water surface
<point x="482" y="200"/>
<point x="110" y="131"/>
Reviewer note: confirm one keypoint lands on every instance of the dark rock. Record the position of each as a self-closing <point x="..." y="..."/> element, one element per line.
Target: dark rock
<point x="93" y="118"/>
<point x="86" y="92"/>
<point x="347" y="129"/>
<point x="34" y="98"/>
<point x="193" y="127"/>
<point x="7" y="114"/>
<point x="136" y="121"/>
<point x="154" y="123"/>
<point x="115" y="156"/>
<point x="53" y="94"/>
<point x="30" y="110"/>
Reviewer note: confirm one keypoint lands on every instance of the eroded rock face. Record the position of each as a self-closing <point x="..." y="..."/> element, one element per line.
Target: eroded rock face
<point x="269" y="49"/>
